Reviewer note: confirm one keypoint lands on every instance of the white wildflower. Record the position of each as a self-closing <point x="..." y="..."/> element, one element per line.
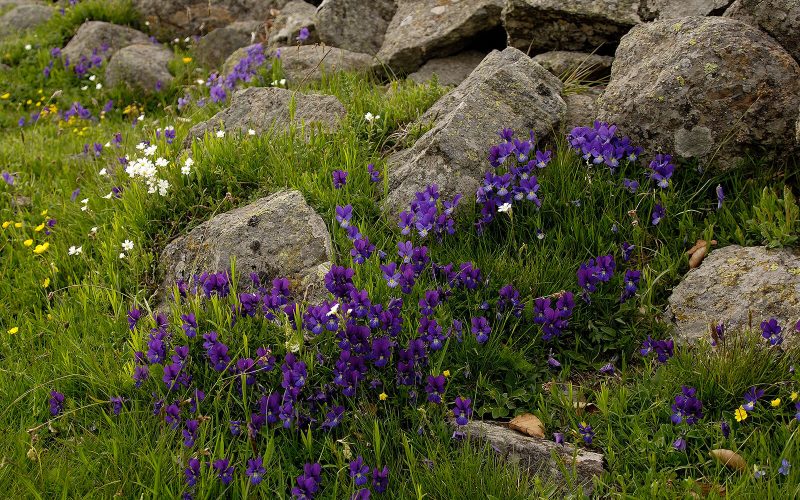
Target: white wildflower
<point x="162" y="162"/>
<point x="151" y="150"/>
<point x="28" y="47"/>
<point x="73" y="250"/>
<point x="251" y="132"/>
<point x="220" y="133"/>
<point x="127" y="245"/>
<point x="505" y="208"/>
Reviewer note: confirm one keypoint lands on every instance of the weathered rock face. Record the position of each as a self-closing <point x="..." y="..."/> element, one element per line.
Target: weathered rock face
<point x="507" y="89"/>
<point x="142" y="66"/>
<point x="540" y="456"/>
<point x="294" y="16"/>
<point x="581" y="109"/>
<point x="170" y="18"/>
<point x="709" y="88"/>
<point x="577" y="25"/>
<point x="355" y="25"/>
<point x="265" y="109"/>
<point x="587" y="66"/>
<point x="779" y="18"/>
<point x="214" y="48"/>
<point x="425" y="29"/>
<point x="733" y="282"/>
<point x="98" y="34"/>
<point x="668" y="9"/>
<point x="24" y="17"/>
<point x="309" y="63"/>
<point x="450" y="70"/>
<point x="276" y="236"/>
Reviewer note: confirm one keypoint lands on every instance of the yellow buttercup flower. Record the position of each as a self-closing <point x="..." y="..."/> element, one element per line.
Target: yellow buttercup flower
<point x="383" y="396"/>
<point x="775" y="402"/>
<point x="741" y="414"/>
<point x="44" y="212"/>
<point x="18" y="225"/>
<point x="7" y="223"/>
<point x="446" y="373"/>
<point x="28" y="242"/>
<point x="46" y="283"/>
<point x="39" y="227"/>
<point x="40" y="249"/>
<point x="13" y="330"/>
<point x="5" y="96"/>
<point x="794" y="396"/>
<point x="187" y="60"/>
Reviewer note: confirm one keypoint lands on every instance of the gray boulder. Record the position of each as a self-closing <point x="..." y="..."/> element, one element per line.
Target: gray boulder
<point x="96" y="35"/>
<point x="709" y="88"/>
<point x="276" y="236"/>
<point x="507" y="89"/>
<point x="308" y="63"/>
<point x="268" y="109"/>
<point x="779" y="18"/>
<point x="732" y="283"/>
<point x="214" y="48"/>
<point x="450" y="70"/>
<point x="581" y="108"/>
<point x="585" y="66"/>
<point x="24" y="17"/>
<point x="171" y="18"/>
<point x="425" y="29"/>
<point x="354" y="24"/>
<point x="540" y="457"/>
<point x="143" y="67"/>
<point x="294" y="16"/>
<point x="578" y="25"/>
<point x="668" y="9"/>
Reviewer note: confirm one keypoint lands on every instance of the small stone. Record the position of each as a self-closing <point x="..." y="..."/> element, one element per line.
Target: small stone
<point x="24" y="17"/>
<point x="308" y="63"/>
<point x="451" y="70"/>
<point x="354" y="25"/>
<point x="94" y="35"/>
<point x="294" y="16"/>
<point x="576" y="25"/>
<point x="266" y="109"/>
<point x="141" y="67"/>
<point x="584" y="66"/>
<point x="417" y="34"/>
<point x="293" y="242"/>
<point x="733" y="283"/>
<point x="214" y="48"/>
<point x="581" y="108"/>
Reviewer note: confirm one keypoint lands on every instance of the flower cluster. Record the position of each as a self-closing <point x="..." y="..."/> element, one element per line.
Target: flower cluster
<point x="594" y="272"/>
<point x="663" y="349"/>
<point x="516" y="182"/>
<point x="429" y="215"/>
<point x="599" y="144"/>
<point x="687" y="408"/>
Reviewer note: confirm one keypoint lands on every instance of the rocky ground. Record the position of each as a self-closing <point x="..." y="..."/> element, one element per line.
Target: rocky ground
<point x="401" y="248"/>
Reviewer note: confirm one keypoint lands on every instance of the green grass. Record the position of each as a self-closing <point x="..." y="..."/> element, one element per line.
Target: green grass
<point x="73" y="336"/>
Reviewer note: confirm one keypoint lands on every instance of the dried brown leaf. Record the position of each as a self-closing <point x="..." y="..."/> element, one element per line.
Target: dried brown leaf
<point x="528" y="424"/>
<point x="729" y="459"/>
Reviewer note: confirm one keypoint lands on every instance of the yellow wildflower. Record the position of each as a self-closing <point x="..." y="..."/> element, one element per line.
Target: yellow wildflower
<point x="794" y="396"/>
<point x="28" y="242"/>
<point x="44" y="212"/>
<point x="18" y="225"/>
<point x="741" y="414"/>
<point x="7" y="223"/>
<point x="187" y="60"/>
<point x="40" y="249"/>
<point x="775" y="402"/>
<point x="383" y="396"/>
<point x="446" y="373"/>
<point x="46" y="283"/>
<point x="5" y="96"/>
<point x="13" y="330"/>
<point x="28" y="102"/>
<point x="39" y="227"/>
